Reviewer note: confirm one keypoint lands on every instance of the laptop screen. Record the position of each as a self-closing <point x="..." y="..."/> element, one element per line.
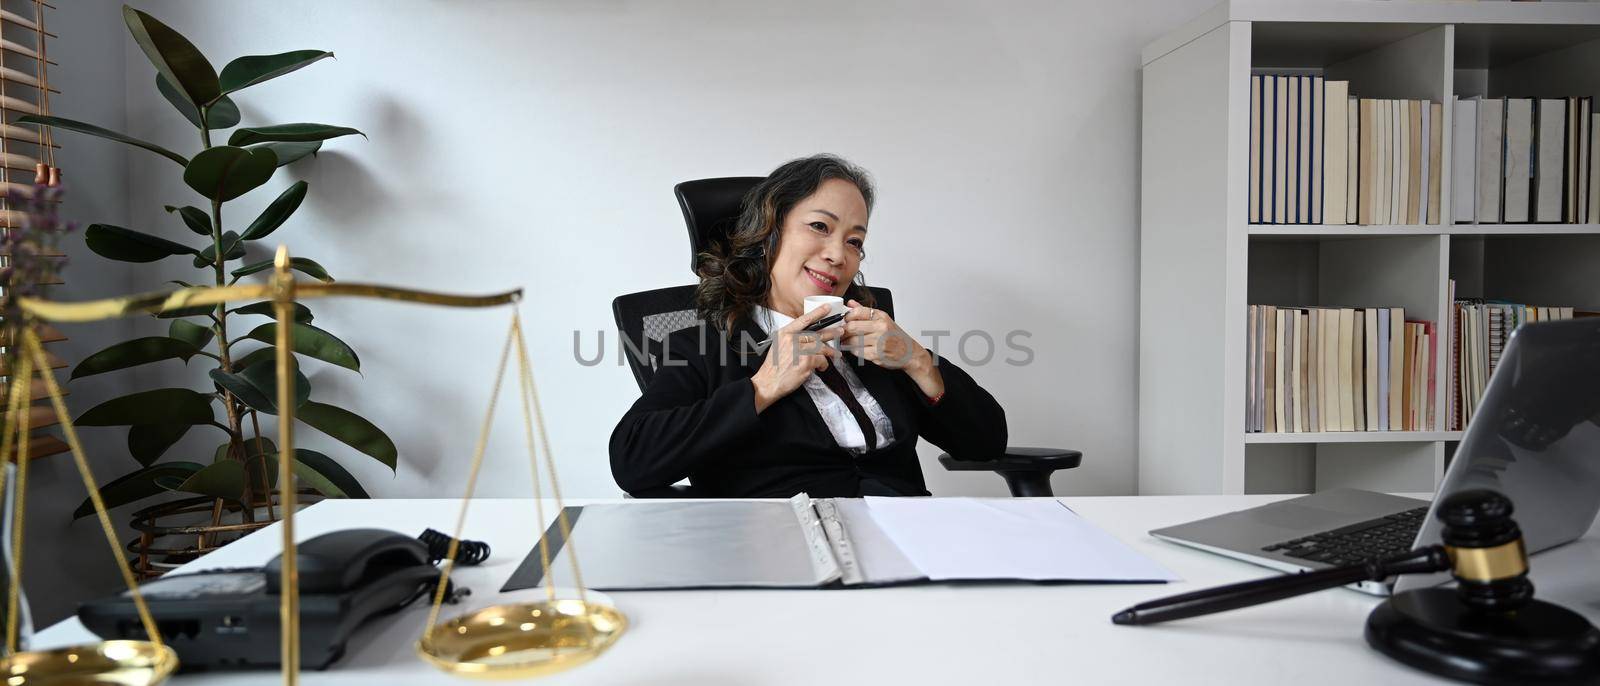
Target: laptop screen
<point x="1535" y="435"/>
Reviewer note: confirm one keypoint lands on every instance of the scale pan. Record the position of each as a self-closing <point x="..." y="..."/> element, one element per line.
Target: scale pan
<point x="523" y="640"/>
<point x="112" y="663"/>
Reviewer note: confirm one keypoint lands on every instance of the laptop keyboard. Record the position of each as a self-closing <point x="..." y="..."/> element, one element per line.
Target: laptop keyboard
<point x="1372" y="539"/>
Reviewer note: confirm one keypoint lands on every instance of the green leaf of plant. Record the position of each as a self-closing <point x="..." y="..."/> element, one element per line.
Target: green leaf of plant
<point x="255" y="357"/>
<point x="222" y="115"/>
<point x="290" y="133"/>
<point x="251" y="450"/>
<point x="226" y="172"/>
<point x="327" y="471"/>
<point x="265" y="378"/>
<point x="276" y="213"/>
<point x="149" y="442"/>
<point x="311" y="341"/>
<point x="81" y="127"/>
<point x="138" y="485"/>
<point x="191" y="333"/>
<point x="223" y="479"/>
<point x="253" y="69"/>
<point x="302" y="313"/>
<point x="127" y="245"/>
<point x="160" y="406"/>
<point x="134" y="353"/>
<point x="262" y="470"/>
<point x="322" y="474"/>
<point x="173" y="56"/>
<point x="300" y="264"/>
<point x="290" y="152"/>
<point x="194" y="218"/>
<point x="350" y="429"/>
<point x="243" y="390"/>
<point x="257" y="385"/>
<point x="232" y="249"/>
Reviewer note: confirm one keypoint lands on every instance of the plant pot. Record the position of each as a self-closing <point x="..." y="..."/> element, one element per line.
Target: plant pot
<point x="177" y="532"/>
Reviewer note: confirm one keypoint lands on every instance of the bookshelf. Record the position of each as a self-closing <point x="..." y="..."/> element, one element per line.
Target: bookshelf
<point x="1202" y="263"/>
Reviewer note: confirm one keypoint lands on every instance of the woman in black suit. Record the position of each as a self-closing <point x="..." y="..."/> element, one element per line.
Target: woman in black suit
<point x="744" y="419"/>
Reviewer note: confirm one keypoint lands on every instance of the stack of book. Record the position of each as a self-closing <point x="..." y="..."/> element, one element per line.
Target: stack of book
<point x="1525" y="160"/>
<point x="1320" y="156"/>
<point x="1479" y="331"/>
<point x="1315" y="369"/>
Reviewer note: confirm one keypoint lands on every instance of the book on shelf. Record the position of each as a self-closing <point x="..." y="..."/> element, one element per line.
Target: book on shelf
<point x="1517" y="197"/>
<point x="1371" y="360"/>
<point x="1412" y="162"/>
<point x="1327" y="369"/>
<point x="1423" y="150"/>
<point x="1549" y="160"/>
<point x="1479" y="331"/>
<point x="1352" y="152"/>
<point x="1594" y="170"/>
<point x="1491" y="159"/>
<point x="1435" y="165"/>
<point x="1367" y="161"/>
<point x="1397" y="358"/>
<point x="1575" y="169"/>
<point x="1318" y="155"/>
<point x="1336" y="157"/>
<point x="1280" y="148"/>
<point x="1463" y="160"/>
<point x="1254" y="199"/>
<point x="1533" y="160"/>
<point x="1315" y="156"/>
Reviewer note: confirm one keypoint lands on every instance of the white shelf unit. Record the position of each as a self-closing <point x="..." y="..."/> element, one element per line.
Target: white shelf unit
<point x="1202" y="264"/>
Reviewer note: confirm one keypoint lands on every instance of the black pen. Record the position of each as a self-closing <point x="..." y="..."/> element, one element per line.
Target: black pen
<point x="815" y="326"/>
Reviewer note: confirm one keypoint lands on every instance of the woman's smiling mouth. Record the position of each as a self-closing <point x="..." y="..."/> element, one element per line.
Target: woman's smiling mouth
<point x="822" y="281"/>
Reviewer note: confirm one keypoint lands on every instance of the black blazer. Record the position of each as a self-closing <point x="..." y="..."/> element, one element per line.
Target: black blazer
<point x="697" y="419"/>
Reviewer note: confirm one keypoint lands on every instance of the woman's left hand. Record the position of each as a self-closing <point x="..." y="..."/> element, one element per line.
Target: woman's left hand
<point x="873" y="336"/>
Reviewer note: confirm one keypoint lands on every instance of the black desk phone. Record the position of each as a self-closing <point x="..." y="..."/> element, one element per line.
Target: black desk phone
<point x="228" y="618"/>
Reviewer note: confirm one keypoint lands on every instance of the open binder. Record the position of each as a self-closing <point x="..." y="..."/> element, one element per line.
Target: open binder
<point x="831" y="543"/>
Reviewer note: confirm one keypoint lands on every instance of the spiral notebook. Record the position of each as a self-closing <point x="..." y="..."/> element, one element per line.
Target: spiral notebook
<point x="831" y="543"/>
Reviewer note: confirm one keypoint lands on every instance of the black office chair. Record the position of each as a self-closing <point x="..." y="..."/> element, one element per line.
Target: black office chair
<point x="644" y="319"/>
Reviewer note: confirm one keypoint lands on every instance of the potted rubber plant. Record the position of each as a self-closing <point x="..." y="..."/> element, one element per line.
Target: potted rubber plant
<point x="233" y="483"/>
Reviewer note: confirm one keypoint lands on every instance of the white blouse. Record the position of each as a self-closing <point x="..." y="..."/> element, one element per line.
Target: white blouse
<point x="841" y="423"/>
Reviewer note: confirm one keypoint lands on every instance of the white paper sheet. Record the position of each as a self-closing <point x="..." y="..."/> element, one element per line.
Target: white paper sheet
<point x="1034" y="539"/>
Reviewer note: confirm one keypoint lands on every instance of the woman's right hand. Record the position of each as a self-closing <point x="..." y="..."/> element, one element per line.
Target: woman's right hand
<point x="794" y="354"/>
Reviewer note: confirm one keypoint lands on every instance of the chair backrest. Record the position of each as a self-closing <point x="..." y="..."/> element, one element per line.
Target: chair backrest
<point x="644" y="319"/>
<point x="710" y="208"/>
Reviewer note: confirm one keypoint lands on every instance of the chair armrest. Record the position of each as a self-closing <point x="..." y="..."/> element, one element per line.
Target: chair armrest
<point x="1018" y="459"/>
<point x="1026" y="470"/>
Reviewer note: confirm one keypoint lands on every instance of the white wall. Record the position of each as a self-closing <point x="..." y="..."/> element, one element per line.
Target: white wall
<point x="535" y="144"/>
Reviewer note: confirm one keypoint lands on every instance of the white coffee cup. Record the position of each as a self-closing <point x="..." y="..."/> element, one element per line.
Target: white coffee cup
<point x="835" y="306"/>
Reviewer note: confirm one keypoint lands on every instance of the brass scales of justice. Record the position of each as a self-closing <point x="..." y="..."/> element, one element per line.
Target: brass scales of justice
<point x="509" y="641"/>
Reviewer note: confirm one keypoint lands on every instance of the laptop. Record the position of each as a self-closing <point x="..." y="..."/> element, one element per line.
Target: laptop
<point x="1535" y="437"/>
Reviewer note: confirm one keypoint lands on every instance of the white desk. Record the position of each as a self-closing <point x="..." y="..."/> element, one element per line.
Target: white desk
<point x="986" y="635"/>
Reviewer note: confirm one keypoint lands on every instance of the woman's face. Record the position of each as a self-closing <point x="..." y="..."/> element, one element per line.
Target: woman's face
<point x="820" y="246"/>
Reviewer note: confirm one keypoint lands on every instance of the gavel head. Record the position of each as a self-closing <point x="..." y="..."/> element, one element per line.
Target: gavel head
<point x="1487" y="556"/>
